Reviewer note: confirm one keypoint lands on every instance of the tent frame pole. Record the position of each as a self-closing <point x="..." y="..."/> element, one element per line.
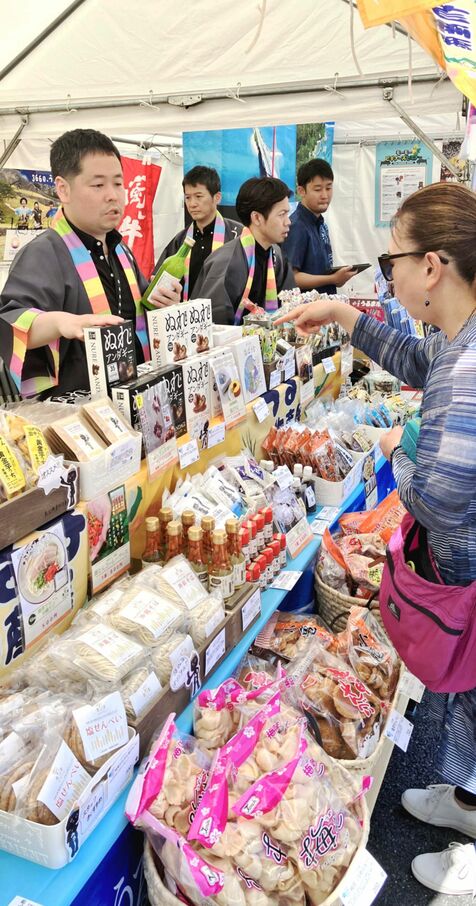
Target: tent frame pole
<point x="13" y="143"/>
<point x="40" y="38"/>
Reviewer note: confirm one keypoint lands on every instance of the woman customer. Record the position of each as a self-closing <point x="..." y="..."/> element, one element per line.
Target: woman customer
<point x="432" y="262"/>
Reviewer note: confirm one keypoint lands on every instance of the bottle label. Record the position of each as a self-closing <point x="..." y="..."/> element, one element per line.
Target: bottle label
<point x="246" y="553"/>
<point x="224" y="584"/>
<point x="165" y="281"/>
<point x="202" y="574"/>
<point x="310" y="497"/>
<point x="260" y="540"/>
<point x="253" y="548"/>
<point x="268" y="532"/>
<point x="239" y="574"/>
<point x="282" y="558"/>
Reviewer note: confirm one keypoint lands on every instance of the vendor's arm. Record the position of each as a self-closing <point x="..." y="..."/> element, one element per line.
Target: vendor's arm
<point x="49" y="326"/>
<point x="439" y="490"/>
<point x="295" y="249"/>
<point x="406" y="357"/>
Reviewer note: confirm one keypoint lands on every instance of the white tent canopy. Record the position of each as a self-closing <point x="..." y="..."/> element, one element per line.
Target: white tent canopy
<point x="199" y="64"/>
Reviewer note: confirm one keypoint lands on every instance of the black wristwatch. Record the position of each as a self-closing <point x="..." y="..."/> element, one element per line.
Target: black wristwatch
<point x="392" y="454"/>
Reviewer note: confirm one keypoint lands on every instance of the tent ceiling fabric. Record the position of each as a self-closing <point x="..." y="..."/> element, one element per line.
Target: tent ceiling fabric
<point x="105" y="51"/>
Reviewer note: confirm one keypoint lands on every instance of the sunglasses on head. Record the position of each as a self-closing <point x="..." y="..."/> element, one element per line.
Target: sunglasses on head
<point x="386" y="262"/>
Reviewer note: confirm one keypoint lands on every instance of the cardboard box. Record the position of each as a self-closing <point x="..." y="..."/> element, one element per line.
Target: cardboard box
<point x="124" y="395"/>
<point x="169" y="334"/>
<point x="249" y="361"/>
<point x="111" y="356"/>
<point x="201" y="327"/>
<point x="245" y="612"/>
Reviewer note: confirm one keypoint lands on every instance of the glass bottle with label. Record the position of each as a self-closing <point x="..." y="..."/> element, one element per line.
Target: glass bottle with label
<point x="188" y="519"/>
<point x="245" y="543"/>
<point x="220" y="571"/>
<point x="174" y="540"/>
<point x="152" y="540"/>
<point x="165" y="516"/>
<point x="253" y="531"/>
<point x="208" y="527"/>
<point x="172" y="267"/>
<point x="195" y="554"/>
<point x="237" y="556"/>
<point x="258" y="519"/>
<point x="268" y="524"/>
<point x="309" y="496"/>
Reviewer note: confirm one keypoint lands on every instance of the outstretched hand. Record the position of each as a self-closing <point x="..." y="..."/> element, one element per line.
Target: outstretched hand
<point x="72" y="327"/>
<point x="308" y="318"/>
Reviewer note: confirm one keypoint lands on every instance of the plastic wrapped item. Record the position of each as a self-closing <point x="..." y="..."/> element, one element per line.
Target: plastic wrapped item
<point x="147" y="615"/>
<point x="381" y="382"/>
<point x="205" y="617"/>
<point x="164" y="656"/>
<point x="382" y="520"/>
<point x="366" y="648"/>
<point x="288" y="634"/>
<point x="140" y="690"/>
<point x="97" y="651"/>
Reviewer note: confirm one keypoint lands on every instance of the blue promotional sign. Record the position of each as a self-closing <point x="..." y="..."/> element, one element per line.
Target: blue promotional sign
<point x="41" y="178"/>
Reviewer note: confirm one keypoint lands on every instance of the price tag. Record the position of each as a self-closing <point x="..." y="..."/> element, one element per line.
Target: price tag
<point x="146" y="693"/>
<point x="65" y="782"/>
<point x="286" y="580"/>
<point x="215" y="651"/>
<point x="251" y="609"/>
<point x="282" y="475"/>
<point x="216" y="435"/>
<point x="91" y="808"/>
<point x="307" y="393"/>
<point x="289" y="364"/>
<point x="298" y="537"/>
<point x="412" y="686"/>
<point x="103" y="727"/>
<point x="274" y="379"/>
<point x="319" y="526"/>
<point x="328" y="365"/>
<point x="261" y="409"/>
<point x="180" y="659"/>
<point x="363" y="881"/>
<point x="188" y="453"/>
<point x="399" y="730"/>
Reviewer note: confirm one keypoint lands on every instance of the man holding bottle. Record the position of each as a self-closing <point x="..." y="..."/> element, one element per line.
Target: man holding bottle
<point x="209" y="230"/>
<point x="252" y="266"/>
<point x="75" y="275"/>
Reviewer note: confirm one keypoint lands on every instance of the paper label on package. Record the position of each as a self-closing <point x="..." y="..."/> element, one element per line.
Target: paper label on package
<point x="413" y="687"/>
<point x="121" y="455"/>
<point x="37" y="446"/>
<point x="289" y="365"/>
<point x="216" y="435"/>
<point x="188" y="453"/>
<point x="399" y="730"/>
<point x="12" y="745"/>
<point x="363" y="881"/>
<point x="298" y="537"/>
<point x="83" y="439"/>
<point x="287" y="579"/>
<point x="11" y="474"/>
<point x="261" y="409"/>
<point x="115" y="425"/>
<point x="108" y="602"/>
<point x="318" y="527"/>
<point x="91" y="809"/>
<point x="283" y="476"/>
<point x="185" y="583"/>
<point x="275" y="379"/>
<point x="146" y="693"/>
<point x="65" y="782"/>
<point x="152" y="611"/>
<point x="117" y="649"/>
<point x="215" y="651"/>
<point x="52" y="473"/>
<point x="180" y="659"/>
<point x="251" y="609"/>
<point x="103" y="726"/>
<point x="328" y="365"/>
<point x="165" y="281"/>
<point x="307" y="393"/>
<point x="329" y="513"/>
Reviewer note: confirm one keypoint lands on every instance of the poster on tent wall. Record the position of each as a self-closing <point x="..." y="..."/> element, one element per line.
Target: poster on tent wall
<point x="27" y="204"/>
<point x="239" y="154"/>
<point x="400" y="169"/>
<point x="452" y="150"/>
<point x="314" y="140"/>
<point x="140" y="182"/>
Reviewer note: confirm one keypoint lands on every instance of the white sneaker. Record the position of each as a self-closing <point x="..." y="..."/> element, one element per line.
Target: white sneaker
<point x="452" y="871"/>
<point x="437" y="805"/>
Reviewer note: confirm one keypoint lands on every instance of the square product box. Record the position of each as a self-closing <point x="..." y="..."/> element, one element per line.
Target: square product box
<point x="173" y="378"/>
<point x="111" y="356"/>
<point x="196" y="385"/>
<point x="214" y="358"/>
<point x="124" y="395"/>
<point x="249" y="361"/>
<point x="201" y="327"/>
<point x="169" y="334"/>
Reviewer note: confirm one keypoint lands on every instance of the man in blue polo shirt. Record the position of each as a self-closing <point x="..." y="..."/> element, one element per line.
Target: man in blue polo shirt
<point x="308" y="246"/>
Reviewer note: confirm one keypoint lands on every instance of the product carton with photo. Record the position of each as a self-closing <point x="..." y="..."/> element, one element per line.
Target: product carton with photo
<point x="169" y="334"/>
<point x="249" y="361"/>
<point x="201" y="328"/>
<point x="196" y="383"/>
<point x="110" y="355"/>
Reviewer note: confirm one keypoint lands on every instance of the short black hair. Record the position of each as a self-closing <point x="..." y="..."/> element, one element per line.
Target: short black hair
<point x="205" y="176"/>
<point x="24" y="198"/>
<point x="68" y="150"/>
<point x="260" y="194"/>
<point x="312" y="168"/>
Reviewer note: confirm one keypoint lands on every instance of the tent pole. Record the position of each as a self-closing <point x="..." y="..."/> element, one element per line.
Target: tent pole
<point x="14" y="142"/>
<point x="40" y="38"/>
<point x="388" y="96"/>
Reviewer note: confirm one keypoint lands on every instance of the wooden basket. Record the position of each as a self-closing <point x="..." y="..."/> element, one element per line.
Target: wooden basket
<point x="159" y="895"/>
<point x="333" y="606"/>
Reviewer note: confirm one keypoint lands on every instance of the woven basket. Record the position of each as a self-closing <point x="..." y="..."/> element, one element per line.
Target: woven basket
<point x="333" y="607"/>
<point x="160" y="896"/>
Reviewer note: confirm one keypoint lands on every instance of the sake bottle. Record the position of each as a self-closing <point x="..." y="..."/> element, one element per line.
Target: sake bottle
<point x="172" y="267"/>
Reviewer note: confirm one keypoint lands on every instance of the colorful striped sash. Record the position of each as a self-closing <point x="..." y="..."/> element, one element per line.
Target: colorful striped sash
<point x="217" y="242"/>
<point x="271" y="296"/>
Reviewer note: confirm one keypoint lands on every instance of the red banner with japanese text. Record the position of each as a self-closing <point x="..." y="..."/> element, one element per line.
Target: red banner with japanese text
<point x="140" y="182"/>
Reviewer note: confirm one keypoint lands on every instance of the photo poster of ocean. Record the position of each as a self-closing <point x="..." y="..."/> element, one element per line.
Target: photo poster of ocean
<point x="239" y="154"/>
<point x="401" y="168"/>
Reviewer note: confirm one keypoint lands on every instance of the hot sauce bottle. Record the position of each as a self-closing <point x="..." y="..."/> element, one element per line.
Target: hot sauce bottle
<point x="165" y="516"/>
<point x="174" y="540"/>
<point x="237" y="556"/>
<point x="195" y="554"/>
<point x="151" y="550"/>
<point x="208" y="527"/>
<point x="188" y="519"/>
<point x="220" y="570"/>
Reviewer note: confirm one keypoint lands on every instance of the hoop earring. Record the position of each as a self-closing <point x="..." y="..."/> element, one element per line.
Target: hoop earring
<point x="427" y="302"/>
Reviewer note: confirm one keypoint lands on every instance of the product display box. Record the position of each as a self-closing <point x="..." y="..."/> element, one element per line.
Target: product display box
<point x="111" y="356"/>
<point x="124" y="396"/>
<point x="180" y="331"/>
<point x="196" y="387"/>
<point x="249" y="361"/>
<point x="173" y="378"/>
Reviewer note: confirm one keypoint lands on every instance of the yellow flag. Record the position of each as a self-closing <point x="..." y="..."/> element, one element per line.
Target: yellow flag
<point x="377" y="12"/>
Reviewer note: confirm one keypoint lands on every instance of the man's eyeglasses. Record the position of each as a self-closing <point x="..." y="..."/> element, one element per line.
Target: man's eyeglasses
<point x="386" y="262"/>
